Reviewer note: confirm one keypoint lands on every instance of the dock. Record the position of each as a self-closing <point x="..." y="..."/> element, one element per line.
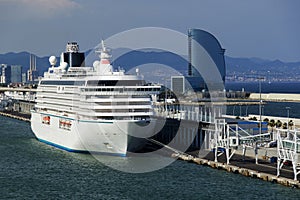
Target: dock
<point x="280" y="97"/>
<point x="265" y="170"/>
<point x="16" y="115"/>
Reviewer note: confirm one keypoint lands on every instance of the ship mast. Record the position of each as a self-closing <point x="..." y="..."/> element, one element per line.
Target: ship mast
<point x="104" y="66"/>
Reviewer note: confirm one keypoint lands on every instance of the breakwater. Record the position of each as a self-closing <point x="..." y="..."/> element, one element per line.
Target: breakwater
<point x="275" y="97"/>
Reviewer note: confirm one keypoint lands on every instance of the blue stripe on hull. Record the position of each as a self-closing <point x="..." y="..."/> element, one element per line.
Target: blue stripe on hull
<point x="79" y="151"/>
<point x="62" y="147"/>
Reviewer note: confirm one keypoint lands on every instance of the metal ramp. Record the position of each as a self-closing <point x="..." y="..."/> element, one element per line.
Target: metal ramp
<point x="227" y="137"/>
<point x="288" y="150"/>
<point x="223" y="140"/>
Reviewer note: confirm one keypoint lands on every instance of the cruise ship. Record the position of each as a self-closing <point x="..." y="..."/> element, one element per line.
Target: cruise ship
<point x="93" y="109"/>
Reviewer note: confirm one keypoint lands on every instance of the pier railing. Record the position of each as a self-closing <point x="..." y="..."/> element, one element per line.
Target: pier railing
<point x="224" y="137"/>
<point x="288" y="150"/>
<point x="206" y="113"/>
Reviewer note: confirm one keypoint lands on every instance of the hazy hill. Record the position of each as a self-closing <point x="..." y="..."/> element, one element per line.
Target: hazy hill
<point x="138" y="58"/>
<point x="240" y="66"/>
<point x="246" y="69"/>
<point x="22" y="58"/>
<point x="257" y="64"/>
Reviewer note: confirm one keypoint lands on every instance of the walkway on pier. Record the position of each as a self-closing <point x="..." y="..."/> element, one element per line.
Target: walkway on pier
<point x="16" y="115"/>
<point x="264" y="166"/>
<point x="4" y="89"/>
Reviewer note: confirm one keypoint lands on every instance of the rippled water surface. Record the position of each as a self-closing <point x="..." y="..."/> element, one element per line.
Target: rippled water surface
<point x="33" y="170"/>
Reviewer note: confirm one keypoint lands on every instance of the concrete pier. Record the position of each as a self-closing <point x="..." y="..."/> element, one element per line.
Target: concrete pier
<point x="276" y="97"/>
<point x="265" y="171"/>
<point x="16" y="115"/>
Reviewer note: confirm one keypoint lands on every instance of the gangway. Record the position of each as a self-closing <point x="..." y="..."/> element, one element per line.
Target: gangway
<point x="227" y="137"/>
<point x="288" y="149"/>
<point x="223" y="140"/>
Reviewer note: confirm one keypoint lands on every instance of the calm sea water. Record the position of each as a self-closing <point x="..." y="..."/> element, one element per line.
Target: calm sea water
<point x="32" y="170"/>
<point x="278" y="109"/>
<point x="270" y="108"/>
<point x="266" y="87"/>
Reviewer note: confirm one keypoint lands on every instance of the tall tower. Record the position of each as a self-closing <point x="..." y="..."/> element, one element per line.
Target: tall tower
<point x="32" y="73"/>
<point x="206" y="40"/>
<point x="32" y="62"/>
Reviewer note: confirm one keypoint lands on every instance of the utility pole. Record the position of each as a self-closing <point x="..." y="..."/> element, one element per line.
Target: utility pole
<point x="260" y="102"/>
<point x="288" y="116"/>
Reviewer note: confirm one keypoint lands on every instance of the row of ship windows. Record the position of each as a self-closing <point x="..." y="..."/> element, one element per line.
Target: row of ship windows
<point x="123" y="103"/>
<point x="67" y="124"/>
<point x="66" y="106"/>
<point x="115" y="96"/>
<point x="122" y="110"/>
<point x="123" y="118"/>
<point x="116" y="110"/>
<point x="96" y="82"/>
<point x="115" y="83"/>
<point x="142" y="89"/>
<point x="78" y="83"/>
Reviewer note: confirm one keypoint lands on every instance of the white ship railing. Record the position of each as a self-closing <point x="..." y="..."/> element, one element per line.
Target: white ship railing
<point x="56" y="107"/>
<point x="55" y="96"/>
<point x="114" y="114"/>
<point x="66" y="102"/>
<point x="116" y="93"/>
<point x="116" y="107"/>
<point x="129" y="99"/>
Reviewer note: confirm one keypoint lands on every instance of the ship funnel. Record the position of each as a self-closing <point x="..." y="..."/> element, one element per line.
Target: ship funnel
<point x="72" y="56"/>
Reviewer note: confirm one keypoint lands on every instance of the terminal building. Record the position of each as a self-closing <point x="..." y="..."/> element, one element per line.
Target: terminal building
<point x="178" y="84"/>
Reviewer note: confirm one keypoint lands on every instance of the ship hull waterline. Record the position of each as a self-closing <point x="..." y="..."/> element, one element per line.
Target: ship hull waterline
<point x="107" y="137"/>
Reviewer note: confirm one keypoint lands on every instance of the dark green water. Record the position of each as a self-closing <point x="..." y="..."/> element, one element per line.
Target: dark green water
<point x="32" y="170"/>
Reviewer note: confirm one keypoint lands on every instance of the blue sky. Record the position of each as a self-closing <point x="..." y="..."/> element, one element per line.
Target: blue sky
<point x="267" y="29"/>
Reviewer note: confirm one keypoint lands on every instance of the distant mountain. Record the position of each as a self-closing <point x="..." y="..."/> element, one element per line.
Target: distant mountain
<point x="248" y="69"/>
<point x="241" y="67"/>
<point x="137" y="58"/>
<point x="257" y="64"/>
<point x="126" y="61"/>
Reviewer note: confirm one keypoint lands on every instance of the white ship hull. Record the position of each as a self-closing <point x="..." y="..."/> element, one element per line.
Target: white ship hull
<point x="107" y="137"/>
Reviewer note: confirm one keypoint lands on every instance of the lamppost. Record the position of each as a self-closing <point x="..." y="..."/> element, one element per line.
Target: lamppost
<point x="233" y="110"/>
<point x="288" y="116"/>
<point x="240" y="111"/>
<point x="247" y="111"/>
<point x="166" y="95"/>
<point x="260" y="102"/>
